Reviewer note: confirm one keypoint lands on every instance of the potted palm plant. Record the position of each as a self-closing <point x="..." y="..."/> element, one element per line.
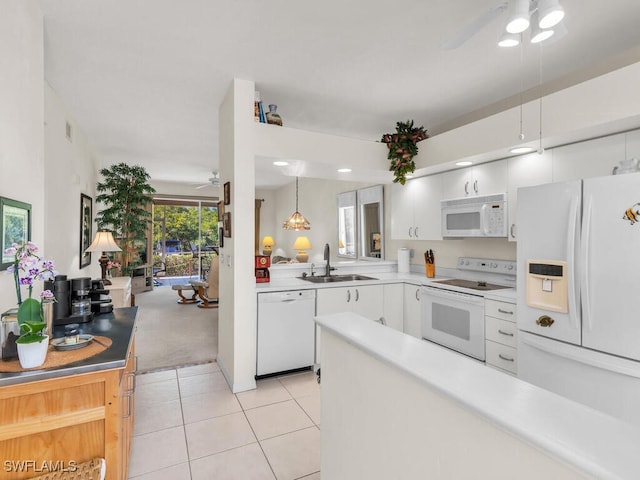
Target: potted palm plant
<point x="126" y="195"/>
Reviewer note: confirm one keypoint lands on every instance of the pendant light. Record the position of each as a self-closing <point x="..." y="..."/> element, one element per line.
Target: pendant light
<point x="296" y="221"/>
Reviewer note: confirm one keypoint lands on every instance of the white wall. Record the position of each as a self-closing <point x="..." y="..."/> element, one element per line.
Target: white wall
<point x="21" y="120"/>
<point x="237" y="312"/>
<point x="70" y="169"/>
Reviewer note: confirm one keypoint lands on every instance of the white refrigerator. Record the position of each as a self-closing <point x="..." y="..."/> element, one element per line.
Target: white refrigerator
<point x="578" y="289"/>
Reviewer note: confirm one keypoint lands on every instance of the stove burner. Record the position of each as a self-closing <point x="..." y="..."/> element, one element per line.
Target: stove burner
<point x="474" y="285"/>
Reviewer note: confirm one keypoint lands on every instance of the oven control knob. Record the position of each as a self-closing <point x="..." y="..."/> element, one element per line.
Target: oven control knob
<point x="545" y="321"/>
<point x="494" y="265"/>
<point x="510" y="267"/>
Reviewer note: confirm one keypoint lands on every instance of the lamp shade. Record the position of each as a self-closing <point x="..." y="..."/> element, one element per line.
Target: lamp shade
<point x="103" y="242"/>
<point x="267" y="243"/>
<point x="302" y="243"/>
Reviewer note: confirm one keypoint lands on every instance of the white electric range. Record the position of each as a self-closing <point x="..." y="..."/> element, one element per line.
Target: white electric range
<point x="453" y="309"/>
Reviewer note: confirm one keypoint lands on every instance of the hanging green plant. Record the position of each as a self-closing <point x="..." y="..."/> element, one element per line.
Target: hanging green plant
<point x="403" y="146"/>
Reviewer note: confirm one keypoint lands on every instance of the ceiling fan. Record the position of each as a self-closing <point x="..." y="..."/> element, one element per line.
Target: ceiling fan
<point x="214" y="181"/>
<point x="543" y="15"/>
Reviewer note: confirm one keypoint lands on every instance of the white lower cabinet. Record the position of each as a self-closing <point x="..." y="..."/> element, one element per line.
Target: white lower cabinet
<point x="365" y="300"/>
<point x="412" y="311"/>
<point x="393" y="306"/>
<point x="501" y="335"/>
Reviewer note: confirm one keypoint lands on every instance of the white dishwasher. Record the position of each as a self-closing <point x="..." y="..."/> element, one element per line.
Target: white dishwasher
<point x="286" y="332"/>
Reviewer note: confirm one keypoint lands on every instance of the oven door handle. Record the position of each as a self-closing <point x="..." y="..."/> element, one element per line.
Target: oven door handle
<point x="436" y="293"/>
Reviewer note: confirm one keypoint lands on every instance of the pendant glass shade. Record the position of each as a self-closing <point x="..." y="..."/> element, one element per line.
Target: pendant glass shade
<point x="296" y="221"/>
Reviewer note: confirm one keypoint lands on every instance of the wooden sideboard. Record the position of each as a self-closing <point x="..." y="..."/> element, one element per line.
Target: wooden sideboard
<point x="120" y="291"/>
<point x="54" y="419"/>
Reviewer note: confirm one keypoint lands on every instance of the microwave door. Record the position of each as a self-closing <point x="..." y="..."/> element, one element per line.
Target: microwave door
<point x="462" y="222"/>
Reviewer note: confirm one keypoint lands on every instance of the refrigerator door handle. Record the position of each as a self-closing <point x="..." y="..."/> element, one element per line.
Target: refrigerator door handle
<point x="586" y="232"/>
<point x="572" y="228"/>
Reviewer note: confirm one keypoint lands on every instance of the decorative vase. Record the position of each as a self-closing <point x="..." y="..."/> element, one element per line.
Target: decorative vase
<point x="273" y="117"/>
<point x="33" y="355"/>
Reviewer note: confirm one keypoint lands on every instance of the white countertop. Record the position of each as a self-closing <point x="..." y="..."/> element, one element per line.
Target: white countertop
<point x="595" y="443"/>
<point x="284" y="283"/>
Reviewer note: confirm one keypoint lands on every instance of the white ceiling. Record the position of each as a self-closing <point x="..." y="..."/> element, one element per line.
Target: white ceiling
<point x="144" y="78"/>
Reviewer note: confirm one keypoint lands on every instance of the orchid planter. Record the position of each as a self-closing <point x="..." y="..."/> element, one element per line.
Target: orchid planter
<point x="33" y="354"/>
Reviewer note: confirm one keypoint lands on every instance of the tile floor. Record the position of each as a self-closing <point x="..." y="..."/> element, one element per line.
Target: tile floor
<point x="188" y="425"/>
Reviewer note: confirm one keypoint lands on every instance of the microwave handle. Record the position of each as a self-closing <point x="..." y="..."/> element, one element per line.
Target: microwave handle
<point x="484" y="223"/>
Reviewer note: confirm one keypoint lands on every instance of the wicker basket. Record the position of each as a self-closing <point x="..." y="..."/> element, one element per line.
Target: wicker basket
<point x="91" y="470"/>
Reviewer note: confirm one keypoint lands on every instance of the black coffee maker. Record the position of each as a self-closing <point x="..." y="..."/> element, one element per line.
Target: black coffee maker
<point x="73" y="302"/>
<point x="100" y="298"/>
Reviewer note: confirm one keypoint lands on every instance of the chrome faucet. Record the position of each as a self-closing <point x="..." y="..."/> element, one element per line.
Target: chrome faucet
<point x="327" y="255"/>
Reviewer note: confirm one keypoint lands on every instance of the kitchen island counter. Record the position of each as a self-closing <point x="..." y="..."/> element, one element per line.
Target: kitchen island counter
<point x="431" y="405"/>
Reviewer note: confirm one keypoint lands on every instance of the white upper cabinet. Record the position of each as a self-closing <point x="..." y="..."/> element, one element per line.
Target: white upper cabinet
<point x="483" y="179"/>
<point x="525" y="171"/>
<point x="593" y="158"/>
<point x="415" y="209"/>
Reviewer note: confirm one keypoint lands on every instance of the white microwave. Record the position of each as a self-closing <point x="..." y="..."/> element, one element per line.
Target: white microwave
<point x="479" y="216"/>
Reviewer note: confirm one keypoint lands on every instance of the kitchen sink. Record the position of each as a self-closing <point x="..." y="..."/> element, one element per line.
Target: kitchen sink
<point x="336" y="278"/>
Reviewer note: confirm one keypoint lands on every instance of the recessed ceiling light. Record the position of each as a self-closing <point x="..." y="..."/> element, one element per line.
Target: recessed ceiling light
<point x="465" y="163"/>
<point x="280" y="163"/>
<point x="344" y="170"/>
<point x="522" y="150"/>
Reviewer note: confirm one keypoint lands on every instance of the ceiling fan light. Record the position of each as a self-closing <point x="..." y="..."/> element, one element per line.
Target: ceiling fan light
<point x="539" y="34"/>
<point x="550" y="13"/>
<point x="518" y="16"/>
<point x="509" y="40"/>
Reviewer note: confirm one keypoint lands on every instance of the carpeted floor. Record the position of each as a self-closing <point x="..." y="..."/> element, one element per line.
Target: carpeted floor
<point x="170" y="335"/>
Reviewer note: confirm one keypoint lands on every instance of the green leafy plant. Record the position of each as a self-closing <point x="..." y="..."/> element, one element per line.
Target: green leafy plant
<point x="403" y="146"/>
<point x="126" y="194"/>
<point x="28" y="266"/>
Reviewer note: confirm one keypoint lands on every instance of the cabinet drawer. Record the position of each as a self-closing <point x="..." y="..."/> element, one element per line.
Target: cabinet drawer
<point x="503" y="310"/>
<point x="501" y="331"/>
<point x="502" y="356"/>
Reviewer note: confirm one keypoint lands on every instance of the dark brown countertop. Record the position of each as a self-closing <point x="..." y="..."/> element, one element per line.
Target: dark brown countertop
<point x="119" y="326"/>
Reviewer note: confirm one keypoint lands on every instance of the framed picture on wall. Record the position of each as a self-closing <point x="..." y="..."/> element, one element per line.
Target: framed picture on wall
<point x="15" y="226"/>
<point x="375" y="242"/>
<point x="220" y="205"/>
<point x="227" y="193"/>
<point x="86" y="232"/>
<point x="226" y="227"/>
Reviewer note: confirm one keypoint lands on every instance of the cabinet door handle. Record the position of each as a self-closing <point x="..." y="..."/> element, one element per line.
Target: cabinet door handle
<point x="357" y="295"/>
<point x="382" y="321"/>
<point x="129" y="396"/>
<point x="410" y="232"/>
<point x="466" y="188"/>
<point x="415" y="232"/>
<point x="348" y="296"/>
<point x="512" y="230"/>
<point x="417" y="294"/>
<point x="508" y="334"/>
<point x="506" y="358"/>
<point x="475" y="186"/>
<point x="505" y="311"/>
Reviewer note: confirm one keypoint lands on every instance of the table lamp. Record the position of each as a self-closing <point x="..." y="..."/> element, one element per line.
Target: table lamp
<point x="301" y="244"/>
<point x="267" y="243"/>
<point x="104" y="242"/>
